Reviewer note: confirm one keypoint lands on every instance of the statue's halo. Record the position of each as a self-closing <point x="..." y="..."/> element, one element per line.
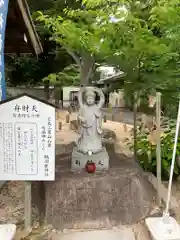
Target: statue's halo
<point x="89" y="91"/>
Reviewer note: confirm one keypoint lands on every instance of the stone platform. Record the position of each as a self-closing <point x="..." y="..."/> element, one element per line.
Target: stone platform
<point x="122" y="234"/>
<point x="101" y="200"/>
<point x="75" y="201"/>
<point x="79" y="160"/>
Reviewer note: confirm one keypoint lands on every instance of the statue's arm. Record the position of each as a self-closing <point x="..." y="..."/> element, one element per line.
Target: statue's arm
<point x="81" y="119"/>
<point x="102" y="98"/>
<point x="80" y="100"/>
<point x="80" y="97"/>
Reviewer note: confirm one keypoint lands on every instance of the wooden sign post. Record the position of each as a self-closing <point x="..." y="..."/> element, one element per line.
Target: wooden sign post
<point x="110" y="111"/>
<point x="158" y="145"/>
<point x="135" y="108"/>
<point x="27" y="207"/>
<point x="27" y="144"/>
<point x="156" y="100"/>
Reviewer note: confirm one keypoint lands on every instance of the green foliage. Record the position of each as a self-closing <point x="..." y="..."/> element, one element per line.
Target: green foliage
<point x="22" y="70"/>
<point x="81" y="34"/>
<point x="52" y="7"/>
<point x="146" y="151"/>
<point x="150" y="60"/>
<point x="68" y="77"/>
<point x="26" y="69"/>
<point x="66" y="32"/>
<point x="139" y="37"/>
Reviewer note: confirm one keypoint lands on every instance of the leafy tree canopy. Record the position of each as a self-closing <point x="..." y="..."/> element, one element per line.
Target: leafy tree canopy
<point x="82" y="34"/>
<point x="149" y="59"/>
<point x="126" y="34"/>
<point x="68" y="77"/>
<point x="139" y="37"/>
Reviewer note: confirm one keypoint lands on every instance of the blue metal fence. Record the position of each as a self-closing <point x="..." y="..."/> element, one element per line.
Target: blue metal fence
<point x="3" y="18"/>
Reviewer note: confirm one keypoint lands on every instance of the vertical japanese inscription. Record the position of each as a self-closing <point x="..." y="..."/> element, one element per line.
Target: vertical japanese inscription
<point x="6" y="142"/>
<point x="43" y="138"/>
<point x="46" y="165"/>
<point x="49" y="131"/>
<point x="46" y="143"/>
<point x="26" y="148"/>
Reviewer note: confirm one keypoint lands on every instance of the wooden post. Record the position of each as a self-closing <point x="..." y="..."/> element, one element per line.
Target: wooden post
<point x="111" y="111"/>
<point x="27" y="207"/>
<point x="121" y="115"/>
<point x="60" y="126"/>
<point x="158" y="145"/>
<point x="68" y="118"/>
<point x="58" y="114"/>
<point x="135" y="124"/>
<point x="110" y="107"/>
<point x="121" y="105"/>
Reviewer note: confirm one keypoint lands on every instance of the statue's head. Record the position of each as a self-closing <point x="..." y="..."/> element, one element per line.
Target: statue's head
<point x="90" y="96"/>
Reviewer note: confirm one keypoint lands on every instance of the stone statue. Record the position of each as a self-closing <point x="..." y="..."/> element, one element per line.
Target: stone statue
<point x="89" y="144"/>
<point x="90" y="120"/>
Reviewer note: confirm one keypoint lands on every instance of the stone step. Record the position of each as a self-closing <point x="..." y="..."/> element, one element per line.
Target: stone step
<point x="122" y="234"/>
<point x="63" y="158"/>
<point x="63" y="162"/>
<point x="100" y="200"/>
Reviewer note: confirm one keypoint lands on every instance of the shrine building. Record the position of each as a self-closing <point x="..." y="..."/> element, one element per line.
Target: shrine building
<point x="21" y="36"/>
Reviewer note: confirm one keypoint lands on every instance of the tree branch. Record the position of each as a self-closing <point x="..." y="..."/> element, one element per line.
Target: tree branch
<point x="73" y="55"/>
<point x="89" y="73"/>
<point x="87" y="65"/>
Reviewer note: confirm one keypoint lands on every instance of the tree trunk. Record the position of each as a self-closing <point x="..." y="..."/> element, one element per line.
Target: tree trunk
<point x="46" y="90"/>
<point x="85" y="61"/>
<point x="84" y="76"/>
<point x="86" y="70"/>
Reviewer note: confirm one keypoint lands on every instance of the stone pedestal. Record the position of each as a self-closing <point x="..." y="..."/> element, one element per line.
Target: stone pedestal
<point x="104" y="199"/>
<point x="79" y="160"/>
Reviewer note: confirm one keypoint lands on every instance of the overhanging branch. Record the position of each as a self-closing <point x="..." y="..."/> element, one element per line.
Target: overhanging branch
<point x="73" y="55"/>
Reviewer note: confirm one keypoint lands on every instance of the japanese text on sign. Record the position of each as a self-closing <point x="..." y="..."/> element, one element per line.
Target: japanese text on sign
<point x="25" y="111"/>
<point x="26" y="148"/>
<point x="27" y="140"/>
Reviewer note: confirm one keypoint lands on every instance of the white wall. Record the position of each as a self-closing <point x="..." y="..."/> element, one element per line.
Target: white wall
<point x="36" y="92"/>
<point x="106" y="72"/>
<point x="66" y="94"/>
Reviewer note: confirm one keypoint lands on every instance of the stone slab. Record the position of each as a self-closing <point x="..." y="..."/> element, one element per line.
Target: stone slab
<point x="122" y="234"/>
<point x="141" y="232"/>
<point x="79" y="160"/>
<point x="101" y="200"/>
<point x="163" y="191"/>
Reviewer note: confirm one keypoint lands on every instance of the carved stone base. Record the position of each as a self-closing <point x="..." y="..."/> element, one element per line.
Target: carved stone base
<point x="79" y="160"/>
<point x="105" y="199"/>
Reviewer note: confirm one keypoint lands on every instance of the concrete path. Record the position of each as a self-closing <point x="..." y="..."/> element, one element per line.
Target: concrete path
<point x="2" y="184"/>
<point x="124" y="234"/>
<point x="135" y="232"/>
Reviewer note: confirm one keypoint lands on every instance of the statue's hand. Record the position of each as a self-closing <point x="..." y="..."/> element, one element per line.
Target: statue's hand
<point x="101" y="95"/>
<point x="82" y="119"/>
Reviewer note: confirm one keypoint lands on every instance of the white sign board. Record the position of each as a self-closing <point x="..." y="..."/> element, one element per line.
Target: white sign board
<point x="27" y="140"/>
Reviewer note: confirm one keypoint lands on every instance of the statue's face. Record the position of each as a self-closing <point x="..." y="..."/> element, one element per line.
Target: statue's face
<point x="90" y="100"/>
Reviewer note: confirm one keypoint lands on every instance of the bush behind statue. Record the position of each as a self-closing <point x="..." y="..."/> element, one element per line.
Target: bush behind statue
<point x="146" y="150"/>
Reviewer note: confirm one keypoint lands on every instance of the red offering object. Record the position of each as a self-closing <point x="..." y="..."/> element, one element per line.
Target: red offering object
<point x="90" y="167"/>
